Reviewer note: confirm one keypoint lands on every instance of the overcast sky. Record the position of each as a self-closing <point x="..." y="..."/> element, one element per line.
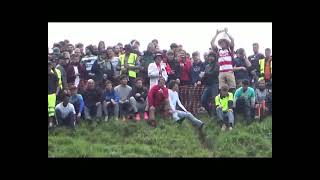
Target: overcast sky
<point x="193" y="36"/>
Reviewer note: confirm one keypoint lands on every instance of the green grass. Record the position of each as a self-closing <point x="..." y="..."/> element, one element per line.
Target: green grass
<point x="118" y="139"/>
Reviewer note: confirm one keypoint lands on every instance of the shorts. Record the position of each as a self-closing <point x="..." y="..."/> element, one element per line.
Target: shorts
<point x="51" y="104"/>
<point x="227" y="78"/>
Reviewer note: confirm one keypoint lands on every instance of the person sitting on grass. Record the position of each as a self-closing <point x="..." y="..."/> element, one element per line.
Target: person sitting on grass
<point x="77" y="101"/>
<point x="224" y="105"/>
<point x="158" y="99"/>
<point x="65" y="112"/>
<point x="138" y="100"/>
<point x="244" y="100"/>
<point x="92" y="101"/>
<point x="111" y="100"/>
<point x="178" y="115"/>
<point x="123" y="90"/>
<point x="261" y="97"/>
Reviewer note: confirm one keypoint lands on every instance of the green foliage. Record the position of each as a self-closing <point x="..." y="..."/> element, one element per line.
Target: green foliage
<point x="119" y="139"/>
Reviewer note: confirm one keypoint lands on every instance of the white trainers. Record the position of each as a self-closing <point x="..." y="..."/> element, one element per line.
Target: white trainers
<point x="106" y="118"/>
<point x="223" y="127"/>
<point x="230" y="128"/>
<point x="50" y="124"/>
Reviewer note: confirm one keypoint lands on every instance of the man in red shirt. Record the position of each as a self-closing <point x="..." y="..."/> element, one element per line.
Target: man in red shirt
<point x="158" y="99"/>
<point x="185" y="65"/>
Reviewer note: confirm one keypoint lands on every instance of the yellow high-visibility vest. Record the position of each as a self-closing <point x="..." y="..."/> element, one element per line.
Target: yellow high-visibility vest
<point x="59" y="77"/>
<point x="131" y="62"/>
<point x="262" y="68"/>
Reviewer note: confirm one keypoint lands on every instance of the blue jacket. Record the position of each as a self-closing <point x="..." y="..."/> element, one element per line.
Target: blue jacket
<point x="108" y="95"/>
<point x="77" y="100"/>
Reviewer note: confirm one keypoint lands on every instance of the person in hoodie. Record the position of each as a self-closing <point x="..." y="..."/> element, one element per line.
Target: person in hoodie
<point x="115" y="61"/>
<point x="102" y="69"/>
<point x="146" y="59"/>
<point x="92" y="98"/>
<point x="110" y="102"/>
<point x="138" y="100"/>
<point x="185" y="65"/>
<point x="175" y="67"/>
<point x="197" y="69"/>
<point x="210" y="81"/>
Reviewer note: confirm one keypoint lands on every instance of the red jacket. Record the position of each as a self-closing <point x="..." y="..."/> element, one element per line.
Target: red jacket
<point x="185" y="70"/>
<point x="155" y="98"/>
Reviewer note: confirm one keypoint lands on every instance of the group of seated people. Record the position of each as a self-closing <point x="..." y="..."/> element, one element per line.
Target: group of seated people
<point x="116" y="82"/>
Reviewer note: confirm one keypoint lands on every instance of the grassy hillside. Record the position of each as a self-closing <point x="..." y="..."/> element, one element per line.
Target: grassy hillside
<point x="169" y="139"/>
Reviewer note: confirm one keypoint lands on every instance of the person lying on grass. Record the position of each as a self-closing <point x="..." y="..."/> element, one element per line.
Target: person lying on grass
<point x="178" y="115"/>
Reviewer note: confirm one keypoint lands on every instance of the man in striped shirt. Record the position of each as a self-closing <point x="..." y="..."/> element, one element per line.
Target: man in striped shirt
<point x="226" y="74"/>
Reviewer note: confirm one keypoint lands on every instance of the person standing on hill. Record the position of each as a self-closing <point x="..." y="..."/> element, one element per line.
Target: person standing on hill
<point x="146" y="59"/>
<point x="156" y="70"/>
<point x="175" y="67"/>
<point x="53" y="90"/>
<point x="211" y="83"/>
<point x="254" y="60"/>
<point x="88" y="61"/>
<point x="129" y="64"/>
<point x="226" y="74"/>
<point x="185" y="66"/>
<point x="115" y="61"/>
<point x="196" y="69"/>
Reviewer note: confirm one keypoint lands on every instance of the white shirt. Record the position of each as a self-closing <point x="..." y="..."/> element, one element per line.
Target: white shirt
<point x="65" y="110"/>
<point x="174" y="99"/>
<point x="77" y="80"/>
<point x="154" y="73"/>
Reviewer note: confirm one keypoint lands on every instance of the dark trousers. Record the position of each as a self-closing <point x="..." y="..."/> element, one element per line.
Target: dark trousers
<point x="131" y="81"/>
<point x="185" y="82"/>
<point x="207" y="98"/>
<point x="124" y="108"/>
<point x="243" y="106"/>
<point x="69" y="120"/>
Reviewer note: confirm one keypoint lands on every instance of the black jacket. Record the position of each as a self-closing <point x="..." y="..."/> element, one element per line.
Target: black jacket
<point x="143" y="91"/>
<point x="175" y="66"/>
<point x="91" y="97"/>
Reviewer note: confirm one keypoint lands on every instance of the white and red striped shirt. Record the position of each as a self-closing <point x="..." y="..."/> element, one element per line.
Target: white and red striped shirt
<point x="225" y="60"/>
